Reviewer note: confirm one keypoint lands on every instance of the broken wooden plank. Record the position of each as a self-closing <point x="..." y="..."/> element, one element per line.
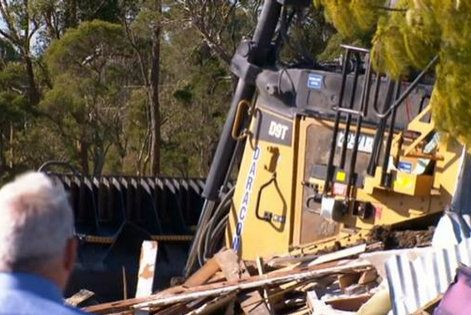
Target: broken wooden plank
<point x="429" y="307"/>
<point x="79" y="297"/>
<point x="214" y="305"/>
<point x="250" y="283"/>
<point x="179" y="308"/>
<point x="217" y="277"/>
<point x="234" y="269"/>
<point x="368" y="276"/>
<point x="348" y="303"/>
<point x="340" y="254"/>
<point x="203" y="274"/>
<point x="284" y="261"/>
<point x="230" y="265"/>
<point x="346" y="280"/>
<point x="319" y="307"/>
<point x="316" y="267"/>
<point x="245" y="284"/>
<point x="300" y="257"/>
<point x="122" y="305"/>
<point x="125" y="283"/>
<point x="311" y="299"/>
<point x="145" y="280"/>
<point x="259" y="262"/>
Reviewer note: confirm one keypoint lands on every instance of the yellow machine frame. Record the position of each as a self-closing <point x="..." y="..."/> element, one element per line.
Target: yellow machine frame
<point x="270" y="194"/>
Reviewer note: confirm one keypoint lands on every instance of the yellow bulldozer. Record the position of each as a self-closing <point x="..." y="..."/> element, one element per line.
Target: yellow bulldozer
<point x="323" y="156"/>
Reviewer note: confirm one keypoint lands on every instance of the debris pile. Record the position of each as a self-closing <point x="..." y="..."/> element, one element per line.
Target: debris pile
<point x="281" y="285"/>
<point x="357" y="280"/>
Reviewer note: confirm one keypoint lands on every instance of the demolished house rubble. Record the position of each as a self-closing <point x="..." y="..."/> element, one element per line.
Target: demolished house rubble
<point x="363" y="279"/>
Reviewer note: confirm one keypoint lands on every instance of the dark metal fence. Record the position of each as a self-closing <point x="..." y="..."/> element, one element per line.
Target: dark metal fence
<point x="114" y="214"/>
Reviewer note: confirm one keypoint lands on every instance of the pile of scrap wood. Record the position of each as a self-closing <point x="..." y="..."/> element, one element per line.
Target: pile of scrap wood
<point x="337" y="282"/>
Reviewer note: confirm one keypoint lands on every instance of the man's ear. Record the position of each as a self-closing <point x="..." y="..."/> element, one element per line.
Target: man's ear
<point x="70" y="254"/>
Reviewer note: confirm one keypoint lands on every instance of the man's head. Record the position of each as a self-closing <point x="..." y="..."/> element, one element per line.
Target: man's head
<point x="36" y="228"/>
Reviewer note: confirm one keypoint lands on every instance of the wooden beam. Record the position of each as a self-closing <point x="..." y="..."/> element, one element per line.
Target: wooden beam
<point x="214" y="305"/>
<point x="117" y="306"/>
<point x="368" y="276"/>
<point x="230" y="265"/>
<point x="235" y="269"/>
<point x="179" y="308"/>
<point x="203" y="274"/>
<point x="346" y="280"/>
<point x="285" y="261"/>
<point x="246" y="284"/>
<point x="429" y="307"/>
<point x="321" y="307"/>
<point x="177" y="294"/>
<point x="79" y="297"/>
<point x="259" y="262"/>
<point x="145" y="280"/>
<point x="348" y="303"/>
<point x="340" y="254"/>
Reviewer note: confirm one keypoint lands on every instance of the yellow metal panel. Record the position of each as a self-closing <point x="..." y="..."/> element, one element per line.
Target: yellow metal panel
<point x="269" y="178"/>
<point x="263" y="190"/>
<point x="341" y="176"/>
<point x="301" y="125"/>
<point x="413" y="185"/>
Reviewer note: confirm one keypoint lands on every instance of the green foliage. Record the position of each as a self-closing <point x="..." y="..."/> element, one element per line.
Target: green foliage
<point x="91" y="63"/>
<point x="408" y="37"/>
<point x="88" y="67"/>
<point x="451" y="99"/>
<point x="7" y="52"/>
<point x="85" y="48"/>
<point x="184" y="95"/>
<point x="353" y="18"/>
<point x="195" y="106"/>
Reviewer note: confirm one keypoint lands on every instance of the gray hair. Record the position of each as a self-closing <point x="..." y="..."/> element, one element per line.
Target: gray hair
<point x="36" y="221"/>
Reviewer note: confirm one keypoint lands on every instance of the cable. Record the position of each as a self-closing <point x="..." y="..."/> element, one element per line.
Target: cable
<point x="213" y="225"/>
<point x="205" y="240"/>
<point x="217" y="216"/>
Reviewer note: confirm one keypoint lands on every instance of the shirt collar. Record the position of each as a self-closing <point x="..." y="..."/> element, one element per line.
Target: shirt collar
<point x="31" y="283"/>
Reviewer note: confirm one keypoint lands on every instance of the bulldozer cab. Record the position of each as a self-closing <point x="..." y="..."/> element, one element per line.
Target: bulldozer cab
<point x="324" y="154"/>
<point x="330" y="155"/>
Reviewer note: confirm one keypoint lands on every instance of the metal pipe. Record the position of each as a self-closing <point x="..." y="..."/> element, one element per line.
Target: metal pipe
<point x="343" y="153"/>
<point x="365" y="97"/>
<point x="385" y="175"/>
<point x="378" y="138"/>
<point x="333" y="143"/>
<point x="409" y="89"/>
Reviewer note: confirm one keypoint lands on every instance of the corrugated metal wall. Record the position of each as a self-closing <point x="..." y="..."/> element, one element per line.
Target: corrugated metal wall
<point x="413" y="283"/>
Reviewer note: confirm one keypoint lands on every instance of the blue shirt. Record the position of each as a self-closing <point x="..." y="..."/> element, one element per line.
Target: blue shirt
<point x="27" y="294"/>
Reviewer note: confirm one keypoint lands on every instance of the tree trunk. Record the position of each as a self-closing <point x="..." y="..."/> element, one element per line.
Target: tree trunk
<point x="83" y="156"/>
<point x="33" y="93"/>
<point x="71" y="14"/>
<point x="154" y="99"/>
